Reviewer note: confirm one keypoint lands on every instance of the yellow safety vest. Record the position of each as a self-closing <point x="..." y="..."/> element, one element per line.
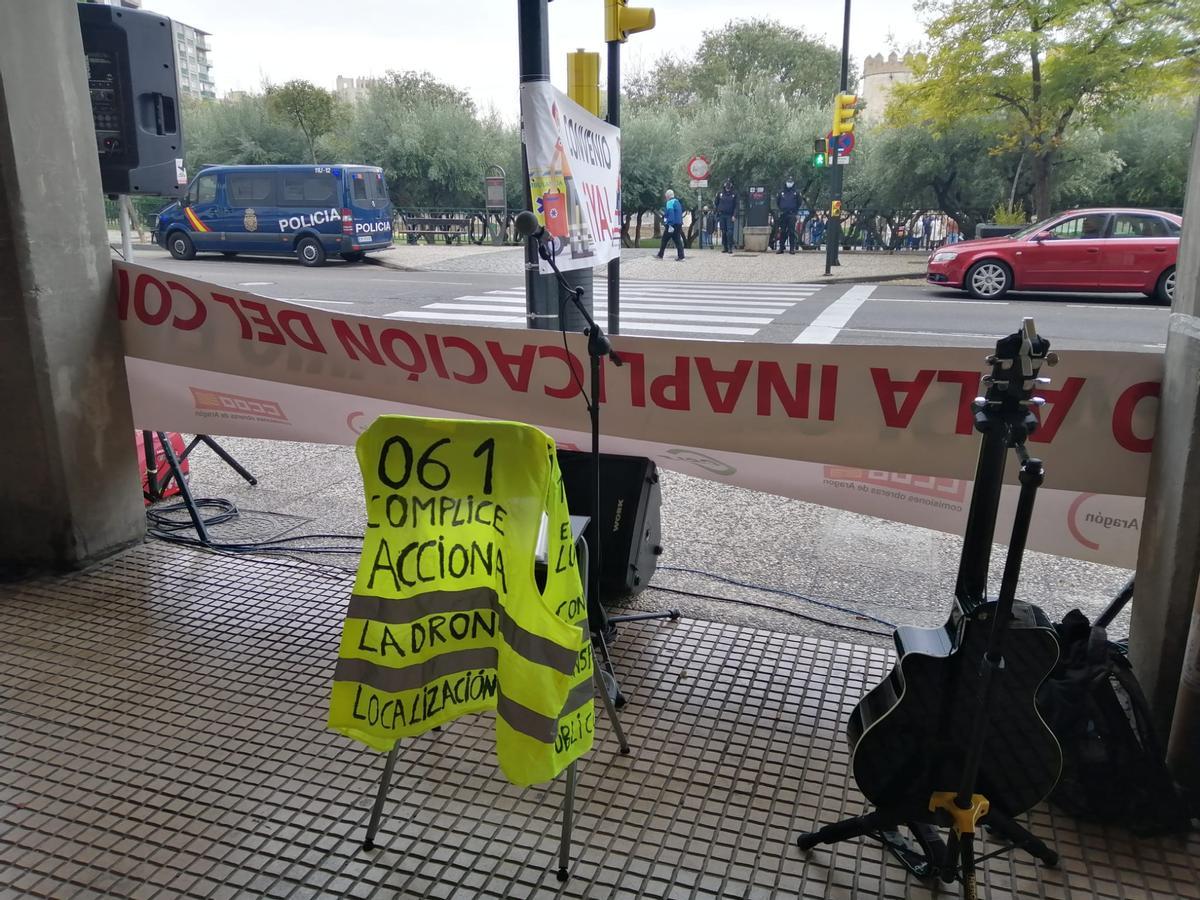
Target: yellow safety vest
<point x="446" y="617"/>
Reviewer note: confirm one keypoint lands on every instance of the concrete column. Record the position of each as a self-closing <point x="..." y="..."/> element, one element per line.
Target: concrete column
<point x="1169" y="553"/>
<point x="69" y="490"/>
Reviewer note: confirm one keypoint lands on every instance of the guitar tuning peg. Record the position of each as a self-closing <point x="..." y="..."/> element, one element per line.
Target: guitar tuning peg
<point x="990" y="359"/>
<point x="987" y="379"/>
<point x="1042" y="379"/>
<point x="1034" y="401"/>
<point x="1052" y="358"/>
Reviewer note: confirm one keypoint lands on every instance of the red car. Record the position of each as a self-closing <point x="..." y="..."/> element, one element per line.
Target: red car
<point x="1117" y="250"/>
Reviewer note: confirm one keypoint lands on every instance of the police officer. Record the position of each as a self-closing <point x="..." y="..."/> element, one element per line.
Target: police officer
<point x="727" y="207"/>
<point x="788" y="203"/>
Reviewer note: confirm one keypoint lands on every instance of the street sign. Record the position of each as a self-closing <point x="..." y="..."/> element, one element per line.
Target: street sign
<point x="494" y="187"/>
<point x="843" y="142"/>
<point x="843" y="160"/>
<point x="697" y="168"/>
<point x="699" y="182"/>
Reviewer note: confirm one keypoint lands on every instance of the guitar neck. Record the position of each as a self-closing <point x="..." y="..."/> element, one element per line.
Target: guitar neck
<point x="971" y="586"/>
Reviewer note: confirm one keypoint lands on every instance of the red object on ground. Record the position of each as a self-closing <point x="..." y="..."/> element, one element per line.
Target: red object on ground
<point x="162" y="468"/>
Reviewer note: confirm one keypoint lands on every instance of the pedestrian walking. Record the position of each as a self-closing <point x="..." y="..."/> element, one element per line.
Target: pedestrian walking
<point x="727" y="209"/>
<point x="788" y="202"/>
<point x="672" y="224"/>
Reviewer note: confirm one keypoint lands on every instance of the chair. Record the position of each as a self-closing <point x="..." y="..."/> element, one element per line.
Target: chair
<point x="447" y="617"/>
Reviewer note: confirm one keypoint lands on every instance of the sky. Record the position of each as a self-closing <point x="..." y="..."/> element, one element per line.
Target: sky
<point x="472" y="44"/>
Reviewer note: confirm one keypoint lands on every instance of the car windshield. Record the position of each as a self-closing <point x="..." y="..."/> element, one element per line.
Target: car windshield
<point x="1033" y="229"/>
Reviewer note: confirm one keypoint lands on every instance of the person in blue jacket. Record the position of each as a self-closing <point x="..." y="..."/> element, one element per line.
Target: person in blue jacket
<point x="672" y="225"/>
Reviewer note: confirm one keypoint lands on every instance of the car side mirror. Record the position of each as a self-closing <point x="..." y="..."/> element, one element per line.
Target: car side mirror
<point x="184" y="202"/>
<point x="1043" y="236"/>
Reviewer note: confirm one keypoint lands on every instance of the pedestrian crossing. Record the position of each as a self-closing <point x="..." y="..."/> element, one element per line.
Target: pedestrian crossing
<point x="710" y="310"/>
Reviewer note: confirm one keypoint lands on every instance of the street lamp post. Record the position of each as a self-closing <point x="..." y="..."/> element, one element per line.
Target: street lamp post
<point x="834" y="231"/>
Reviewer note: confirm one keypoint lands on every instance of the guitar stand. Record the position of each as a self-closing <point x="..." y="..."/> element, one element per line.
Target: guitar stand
<point x="964" y="811"/>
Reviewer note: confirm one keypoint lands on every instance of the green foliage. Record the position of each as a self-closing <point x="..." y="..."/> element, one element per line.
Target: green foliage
<point x="1003" y="215"/>
<point x="238" y="132"/>
<point x="309" y="108"/>
<point x="1043" y="67"/>
<point x="432" y="146"/>
<point x="1154" y="145"/>
<point x="756" y="53"/>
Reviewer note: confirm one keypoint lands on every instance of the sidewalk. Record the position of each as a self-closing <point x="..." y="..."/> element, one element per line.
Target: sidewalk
<point x="164" y="721"/>
<point x="699" y="265"/>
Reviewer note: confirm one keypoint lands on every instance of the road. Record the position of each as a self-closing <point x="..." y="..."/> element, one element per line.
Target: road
<point x="885" y="313"/>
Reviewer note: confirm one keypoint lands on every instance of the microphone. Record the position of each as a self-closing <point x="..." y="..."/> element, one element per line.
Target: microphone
<point x="526" y="225"/>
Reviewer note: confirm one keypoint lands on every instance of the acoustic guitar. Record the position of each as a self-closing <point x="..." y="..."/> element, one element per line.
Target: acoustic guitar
<point x="909" y="735"/>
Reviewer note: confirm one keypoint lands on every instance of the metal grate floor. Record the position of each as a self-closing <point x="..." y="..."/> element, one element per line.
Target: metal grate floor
<point x="162" y="735"/>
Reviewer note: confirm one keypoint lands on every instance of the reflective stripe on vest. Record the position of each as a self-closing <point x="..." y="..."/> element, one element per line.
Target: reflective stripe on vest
<point x="446" y="618"/>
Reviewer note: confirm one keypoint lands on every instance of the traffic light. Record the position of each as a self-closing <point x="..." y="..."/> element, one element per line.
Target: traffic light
<point x="820" y="150"/>
<point x="620" y="21"/>
<point x="843" y="113"/>
<point x="583" y="80"/>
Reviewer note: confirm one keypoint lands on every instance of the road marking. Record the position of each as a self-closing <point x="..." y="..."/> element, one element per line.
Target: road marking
<point x="666" y="303"/>
<point x="676" y="316"/>
<point x="953" y="300"/>
<point x="1156" y="346"/>
<point x="829" y="323"/>
<point x="948" y="334"/>
<point x="1108" y="306"/>
<point x="665" y="308"/>
<point x="303" y="302"/>
<point x="254" y="283"/>
<point x="419" y="316"/>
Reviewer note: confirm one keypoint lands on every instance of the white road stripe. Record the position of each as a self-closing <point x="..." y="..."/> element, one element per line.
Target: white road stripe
<point x="1107" y="306"/>
<point x="254" y="283"/>
<point x="658" y="303"/>
<point x="304" y="302"/>
<point x="953" y="300"/>
<point x="676" y="317"/>
<point x="765" y="285"/>
<point x="664" y="308"/>
<point x="520" y="320"/>
<point x="825" y="327"/>
<point x="945" y="334"/>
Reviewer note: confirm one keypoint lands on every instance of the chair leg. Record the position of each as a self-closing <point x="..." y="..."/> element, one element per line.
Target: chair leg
<point x="564" y="847"/>
<point x="385" y="782"/>
<point x="598" y="678"/>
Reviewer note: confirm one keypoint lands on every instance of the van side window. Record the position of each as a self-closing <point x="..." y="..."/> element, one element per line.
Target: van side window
<point x="250" y="190"/>
<point x="367" y="190"/>
<point x="203" y="189"/>
<point x="309" y="189"/>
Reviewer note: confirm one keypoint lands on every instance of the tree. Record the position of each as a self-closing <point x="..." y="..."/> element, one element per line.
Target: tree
<point x="1046" y="66"/>
<point x="1154" y="147"/>
<point x="238" y="132"/>
<point x="652" y="160"/>
<point x="309" y="108"/>
<point x="758" y="53"/>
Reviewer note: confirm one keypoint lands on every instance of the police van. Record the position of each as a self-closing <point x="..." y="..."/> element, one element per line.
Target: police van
<point x="312" y="212"/>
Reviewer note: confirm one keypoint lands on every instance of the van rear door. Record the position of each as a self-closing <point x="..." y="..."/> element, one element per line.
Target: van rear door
<point x="371" y="209"/>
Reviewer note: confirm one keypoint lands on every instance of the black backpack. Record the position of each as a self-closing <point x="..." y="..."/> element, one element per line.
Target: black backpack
<point x="1113" y="764"/>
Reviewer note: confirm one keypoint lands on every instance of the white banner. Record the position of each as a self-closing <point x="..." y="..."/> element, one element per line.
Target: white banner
<point x="826" y="424"/>
<point x="574" y="164"/>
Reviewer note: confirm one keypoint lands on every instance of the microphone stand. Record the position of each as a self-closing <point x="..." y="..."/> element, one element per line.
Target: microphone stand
<point x="598" y="346"/>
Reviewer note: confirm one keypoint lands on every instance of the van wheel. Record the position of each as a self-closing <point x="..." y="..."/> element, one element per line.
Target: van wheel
<point x="311" y="252"/>
<point x="181" y="246"/>
<point x="357" y="256"/>
<point x="1164" y="291"/>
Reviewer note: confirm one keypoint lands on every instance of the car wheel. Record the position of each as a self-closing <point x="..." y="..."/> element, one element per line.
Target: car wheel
<point x="988" y="280"/>
<point x="229" y="254"/>
<point x="181" y="246"/>
<point x="357" y="256"/>
<point x="311" y="252"/>
<point x="1164" y="291"/>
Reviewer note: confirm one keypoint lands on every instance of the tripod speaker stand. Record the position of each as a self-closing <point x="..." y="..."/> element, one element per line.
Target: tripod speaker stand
<point x="156" y="490"/>
<point x="602" y="625"/>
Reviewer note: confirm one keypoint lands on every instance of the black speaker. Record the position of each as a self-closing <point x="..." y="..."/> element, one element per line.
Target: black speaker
<point x="630" y="516"/>
<point x="135" y="100"/>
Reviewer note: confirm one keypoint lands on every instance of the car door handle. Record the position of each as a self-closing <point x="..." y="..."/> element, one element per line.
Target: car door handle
<point x="1160" y="249"/>
<point x="1093" y="249"/>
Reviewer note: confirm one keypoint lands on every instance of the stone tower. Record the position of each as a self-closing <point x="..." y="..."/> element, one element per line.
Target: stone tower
<point x="879" y="77"/>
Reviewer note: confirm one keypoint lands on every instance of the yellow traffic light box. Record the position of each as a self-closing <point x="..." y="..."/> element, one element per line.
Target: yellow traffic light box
<point x="620" y="20"/>
<point x="844" y="109"/>
<point x="583" y="80"/>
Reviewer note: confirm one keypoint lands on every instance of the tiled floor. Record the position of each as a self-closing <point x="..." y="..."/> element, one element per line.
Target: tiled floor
<point x="162" y="734"/>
